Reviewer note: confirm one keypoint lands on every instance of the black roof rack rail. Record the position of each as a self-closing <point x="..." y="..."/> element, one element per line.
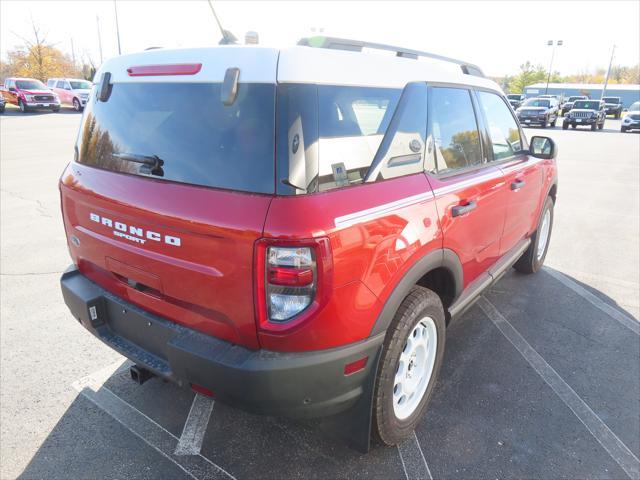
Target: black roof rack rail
<point x="357" y="46"/>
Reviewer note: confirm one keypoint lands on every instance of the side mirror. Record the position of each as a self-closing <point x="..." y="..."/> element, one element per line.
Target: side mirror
<point x="542" y="147"/>
<point x="12" y="89"/>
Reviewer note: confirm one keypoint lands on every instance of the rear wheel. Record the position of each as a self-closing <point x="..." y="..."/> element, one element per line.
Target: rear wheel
<point x="409" y="366"/>
<point x="22" y="106"/>
<point x="533" y="258"/>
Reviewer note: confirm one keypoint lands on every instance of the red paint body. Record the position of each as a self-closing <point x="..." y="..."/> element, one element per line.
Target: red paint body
<point x="211" y="282"/>
<point x="13" y="96"/>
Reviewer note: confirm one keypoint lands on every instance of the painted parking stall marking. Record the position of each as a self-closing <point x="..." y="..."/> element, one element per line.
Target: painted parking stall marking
<point x="146" y="429"/>
<point x="600" y="431"/>
<point x="195" y="427"/>
<point x="631" y="323"/>
<point x="413" y="461"/>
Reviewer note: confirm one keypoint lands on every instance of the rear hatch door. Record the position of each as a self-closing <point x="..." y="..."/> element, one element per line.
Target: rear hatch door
<point x="171" y="187"/>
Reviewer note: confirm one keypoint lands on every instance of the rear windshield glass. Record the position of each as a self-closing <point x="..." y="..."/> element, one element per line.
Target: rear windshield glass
<point x="584" y="104"/>
<point x="573" y="99"/>
<point x="184" y="133"/>
<point x="635" y="107"/>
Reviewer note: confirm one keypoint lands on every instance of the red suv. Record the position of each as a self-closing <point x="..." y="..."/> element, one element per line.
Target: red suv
<point x="292" y="230"/>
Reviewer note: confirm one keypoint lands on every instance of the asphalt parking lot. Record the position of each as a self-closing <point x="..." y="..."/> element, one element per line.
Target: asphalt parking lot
<point x="541" y="378"/>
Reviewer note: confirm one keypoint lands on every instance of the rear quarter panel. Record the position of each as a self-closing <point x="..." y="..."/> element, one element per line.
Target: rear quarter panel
<point x="377" y="231"/>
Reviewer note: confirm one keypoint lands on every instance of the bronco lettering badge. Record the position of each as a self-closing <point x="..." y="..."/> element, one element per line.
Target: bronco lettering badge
<point x="134" y="234"/>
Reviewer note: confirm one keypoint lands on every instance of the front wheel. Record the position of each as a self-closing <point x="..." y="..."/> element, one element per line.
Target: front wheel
<point x="553" y="124"/>
<point x="77" y="106"/>
<point x="22" y="106"/>
<point x="623" y="129"/>
<point x="565" y="126"/>
<point x="593" y="126"/>
<point x="533" y="258"/>
<point x="601" y="126"/>
<point x="409" y="365"/>
<point x="55" y="109"/>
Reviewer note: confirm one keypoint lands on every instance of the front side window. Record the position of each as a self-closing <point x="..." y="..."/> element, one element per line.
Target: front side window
<point x="503" y="129"/>
<point x="80" y="85"/>
<point x="60" y="84"/>
<point x="455" y="130"/>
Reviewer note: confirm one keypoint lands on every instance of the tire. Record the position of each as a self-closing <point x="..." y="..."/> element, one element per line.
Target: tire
<point x="623" y="129"/>
<point x="421" y="313"/>
<point x="594" y="126"/>
<point x="22" y="106"/>
<point x="544" y="123"/>
<point x="553" y="124"/>
<point x="2" y="109"/>
<point x="77" y="106"/>
<point x="55" y="109"/>
<point x="533" y="258"/>
<point x="617" y="115"/>
<point x="565" y="126"/>
<point x="601" y="126"/>
<point x="573" y="126"/>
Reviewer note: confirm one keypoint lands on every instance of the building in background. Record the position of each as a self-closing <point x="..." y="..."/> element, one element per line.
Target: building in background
<point x="628" y="93"/>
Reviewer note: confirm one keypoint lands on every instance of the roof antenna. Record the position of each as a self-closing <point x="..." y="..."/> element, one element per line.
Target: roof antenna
<point x="228" y="38"/>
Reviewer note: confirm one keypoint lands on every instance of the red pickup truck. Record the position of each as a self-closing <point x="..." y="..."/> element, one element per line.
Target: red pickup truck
<point x="292" y="230"/>
<point x="29" y="94"/>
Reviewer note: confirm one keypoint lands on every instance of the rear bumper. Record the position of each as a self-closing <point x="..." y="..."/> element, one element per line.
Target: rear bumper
<point x="296" y="385"/>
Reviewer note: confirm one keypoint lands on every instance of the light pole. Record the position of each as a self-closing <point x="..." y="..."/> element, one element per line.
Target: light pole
<point x="606" y="79"/>
<point x="99" y="38"/>
<point x="553" y="51"/>
<point x="115" y="8"/>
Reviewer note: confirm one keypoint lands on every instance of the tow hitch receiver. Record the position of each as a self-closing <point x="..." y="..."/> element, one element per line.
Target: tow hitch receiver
<point x="140" y="374"/>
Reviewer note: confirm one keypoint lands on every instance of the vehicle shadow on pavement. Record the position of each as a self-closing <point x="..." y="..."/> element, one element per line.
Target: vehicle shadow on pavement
<point x="14" y="112"/>
<point x="491" y="415"/>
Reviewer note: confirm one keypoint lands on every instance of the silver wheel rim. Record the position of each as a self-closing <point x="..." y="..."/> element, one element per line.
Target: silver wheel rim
<point x="76" y="105"/>
<point x="415" y="368"/>
<point x="544" y="234"/>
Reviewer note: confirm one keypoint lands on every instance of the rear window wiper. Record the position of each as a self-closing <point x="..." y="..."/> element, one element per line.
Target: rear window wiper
<point x="151" y="164"/>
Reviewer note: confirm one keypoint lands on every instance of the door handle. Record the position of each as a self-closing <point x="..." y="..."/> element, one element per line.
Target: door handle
<point x="462" y="209"/>
<point x="517" y="185"/>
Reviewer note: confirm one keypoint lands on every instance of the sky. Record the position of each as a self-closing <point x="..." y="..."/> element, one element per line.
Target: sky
<point x="496" y="35"/>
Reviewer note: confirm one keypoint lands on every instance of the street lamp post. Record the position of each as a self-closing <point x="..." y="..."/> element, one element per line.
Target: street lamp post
<point x="115" y="8"/>
<point x="606" y="80"/>
<point x="553" y="51"/>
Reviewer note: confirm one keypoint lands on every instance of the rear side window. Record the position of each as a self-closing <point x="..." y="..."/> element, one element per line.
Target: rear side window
<point x="455" y="130"/>
<point x="503" y="129"/>
<point x="196" y="138"/>
<point x="60" y="84"/>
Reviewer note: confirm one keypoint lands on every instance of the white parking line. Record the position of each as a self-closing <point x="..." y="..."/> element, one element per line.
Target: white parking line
<point x="194" y="428"/>
<point x="413" y="461"/>
<point x="600" y="431"/>
<point x="629" y="322"/>
<point x="154" y="435"/>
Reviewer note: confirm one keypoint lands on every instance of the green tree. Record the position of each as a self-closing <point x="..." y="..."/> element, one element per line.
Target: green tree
<point x="528" y="75"/>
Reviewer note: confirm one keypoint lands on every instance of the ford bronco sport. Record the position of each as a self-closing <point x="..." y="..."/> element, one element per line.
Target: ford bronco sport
<point x="292" y="230"/>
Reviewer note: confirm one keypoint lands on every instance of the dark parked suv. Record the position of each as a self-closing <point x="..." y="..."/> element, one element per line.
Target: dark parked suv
<point x="588" y="113"/>
<point x="515" y="100"/>
<point x="539" y="111"/>
<point x="287" y="232"/>
<point x="613" y="106"/>
<point x="568" y="105"/>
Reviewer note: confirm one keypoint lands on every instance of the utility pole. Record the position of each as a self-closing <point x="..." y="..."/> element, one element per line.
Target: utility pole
<point x="115" y="8"/>
<point x="99" y="38"/>
<point x="606" y="79"/>
<point x="553" y="51"/>
<point x="73" y="53"/>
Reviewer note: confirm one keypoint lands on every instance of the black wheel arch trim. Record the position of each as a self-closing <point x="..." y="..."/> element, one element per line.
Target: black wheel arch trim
<point x="441" y="258"/>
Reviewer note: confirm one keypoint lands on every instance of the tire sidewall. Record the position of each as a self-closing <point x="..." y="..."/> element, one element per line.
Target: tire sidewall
<point x="395" y="429"/>
<point x="538" y="262"/>
<point x="76" y="105"/>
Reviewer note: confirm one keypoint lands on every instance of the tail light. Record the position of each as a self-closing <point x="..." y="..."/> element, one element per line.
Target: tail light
<point x="293" y="280"/>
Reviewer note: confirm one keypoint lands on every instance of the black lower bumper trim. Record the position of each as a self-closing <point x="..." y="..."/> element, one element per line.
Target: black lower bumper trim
<point x="295" y="385"/>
